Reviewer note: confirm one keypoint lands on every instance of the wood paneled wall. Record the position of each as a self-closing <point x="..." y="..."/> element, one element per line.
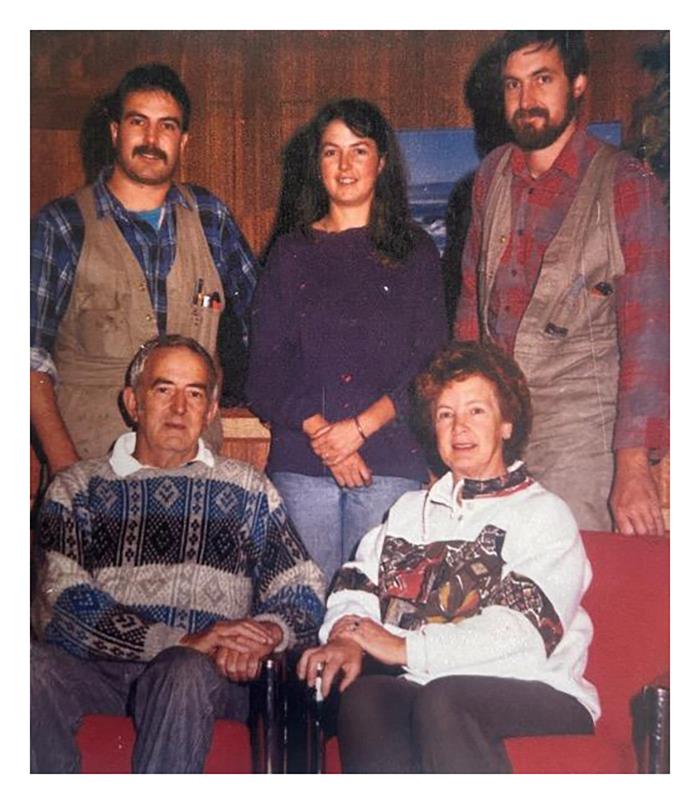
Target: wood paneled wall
<point x="252" y="89"/>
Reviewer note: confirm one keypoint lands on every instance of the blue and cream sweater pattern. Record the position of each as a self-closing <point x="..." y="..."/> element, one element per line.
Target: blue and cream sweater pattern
<point x="129" y="565"/>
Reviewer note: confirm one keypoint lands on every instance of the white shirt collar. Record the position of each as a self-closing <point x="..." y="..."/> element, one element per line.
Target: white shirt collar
<point x="123" y="462"/>
<point x="445" y="491"/>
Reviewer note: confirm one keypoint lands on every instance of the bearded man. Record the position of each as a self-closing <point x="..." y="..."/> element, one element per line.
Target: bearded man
<point x="130" y="257"/>
<point x="566" y="268"/>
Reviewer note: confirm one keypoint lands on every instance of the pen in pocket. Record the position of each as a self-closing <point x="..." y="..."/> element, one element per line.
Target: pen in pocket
<point x="201" y="299"/>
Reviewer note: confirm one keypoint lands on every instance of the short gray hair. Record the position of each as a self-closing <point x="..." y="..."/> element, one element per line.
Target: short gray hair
<point x="140" y="359"/>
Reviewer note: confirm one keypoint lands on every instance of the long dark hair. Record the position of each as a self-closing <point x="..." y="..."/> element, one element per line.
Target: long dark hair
<point x="391" y="230"/>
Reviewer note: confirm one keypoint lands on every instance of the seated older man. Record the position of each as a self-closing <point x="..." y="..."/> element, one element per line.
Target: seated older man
<point x="167" y="575"/>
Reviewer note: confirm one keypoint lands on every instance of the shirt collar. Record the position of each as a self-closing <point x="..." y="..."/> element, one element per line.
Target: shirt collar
<point x="106" y="203"/>
<point x="568" y="162"/>
<point x="446" y="492"/>
<point x="124" y="464"/>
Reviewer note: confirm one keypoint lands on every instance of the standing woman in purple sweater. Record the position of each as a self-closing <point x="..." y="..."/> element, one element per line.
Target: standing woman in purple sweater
<point x="349" y="309"/>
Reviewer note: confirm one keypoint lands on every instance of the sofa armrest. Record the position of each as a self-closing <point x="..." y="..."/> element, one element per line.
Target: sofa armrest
<point x="651" y="726"/>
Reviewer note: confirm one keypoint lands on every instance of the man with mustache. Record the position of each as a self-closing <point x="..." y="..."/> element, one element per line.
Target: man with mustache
<point x="566" y="267"/>
<point x="132" y="256"/>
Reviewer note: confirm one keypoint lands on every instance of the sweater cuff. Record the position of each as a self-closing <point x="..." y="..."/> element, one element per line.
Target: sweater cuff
<point x="297" y="411"/>
<point x="160" y="637"/>
<point x="288" y="639"/>
<point x="416" y="654"/>
<point x="402" y="405"/>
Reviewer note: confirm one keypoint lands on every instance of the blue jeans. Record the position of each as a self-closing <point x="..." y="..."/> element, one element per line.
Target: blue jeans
<point x="331" y="520"/>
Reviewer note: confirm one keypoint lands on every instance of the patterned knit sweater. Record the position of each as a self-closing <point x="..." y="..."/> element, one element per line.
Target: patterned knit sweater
<point x="128" y="565"/>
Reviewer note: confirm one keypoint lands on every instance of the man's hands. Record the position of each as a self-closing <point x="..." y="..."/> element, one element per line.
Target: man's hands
<point x="635" y="499"/>
<point x="237" y="647"/>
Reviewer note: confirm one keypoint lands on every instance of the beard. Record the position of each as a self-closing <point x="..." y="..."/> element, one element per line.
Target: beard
<point x="532" y="138"/>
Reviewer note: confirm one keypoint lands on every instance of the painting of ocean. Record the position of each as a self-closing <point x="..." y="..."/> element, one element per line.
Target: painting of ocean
<point x="436" y="159"/>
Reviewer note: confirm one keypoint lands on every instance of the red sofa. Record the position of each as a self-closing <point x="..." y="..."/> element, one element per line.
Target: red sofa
<point x="628" y="601"/>
<point x="106" y="743"/>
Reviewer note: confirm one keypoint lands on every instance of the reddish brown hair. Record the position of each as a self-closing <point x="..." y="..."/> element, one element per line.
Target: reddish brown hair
<point x="462" y="359"/>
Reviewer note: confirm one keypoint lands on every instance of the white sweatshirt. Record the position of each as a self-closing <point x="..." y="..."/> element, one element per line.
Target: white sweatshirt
<point x="526" y="608"/>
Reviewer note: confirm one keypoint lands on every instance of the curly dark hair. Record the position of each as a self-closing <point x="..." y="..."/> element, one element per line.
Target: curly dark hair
<point x="462" y="359"/>
<point x="570" y="44"/>
<point x="391" y="229"/>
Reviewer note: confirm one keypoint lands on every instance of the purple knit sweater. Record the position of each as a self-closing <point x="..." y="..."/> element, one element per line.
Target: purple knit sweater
<point x="333" y="330"/>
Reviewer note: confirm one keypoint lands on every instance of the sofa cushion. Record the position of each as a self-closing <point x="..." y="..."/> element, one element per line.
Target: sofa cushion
<point x="106" y="743"/>
<point x="573" y="753"/>
<point x="628" y="601"/>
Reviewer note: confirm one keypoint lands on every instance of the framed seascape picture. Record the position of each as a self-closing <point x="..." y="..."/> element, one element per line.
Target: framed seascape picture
<point x="438" y="160"/>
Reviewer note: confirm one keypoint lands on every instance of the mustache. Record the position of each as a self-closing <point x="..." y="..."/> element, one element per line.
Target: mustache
<point x="147" y="150"/>
<point x="533" y="111"/>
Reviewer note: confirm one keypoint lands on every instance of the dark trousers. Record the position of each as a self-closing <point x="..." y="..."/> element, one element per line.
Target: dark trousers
<point x="173" y="700"/>
<point x="454" y="724"/>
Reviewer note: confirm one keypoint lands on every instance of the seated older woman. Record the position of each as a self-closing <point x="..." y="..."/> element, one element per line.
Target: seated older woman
<point x="472" y="588"/>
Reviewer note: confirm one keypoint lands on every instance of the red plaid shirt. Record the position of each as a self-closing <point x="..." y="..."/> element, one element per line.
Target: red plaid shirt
<point x="539" y="207"/>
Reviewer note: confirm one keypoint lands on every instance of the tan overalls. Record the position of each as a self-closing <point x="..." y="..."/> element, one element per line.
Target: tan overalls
<point x="567" y="341"/>
<point x="110" y="315"/>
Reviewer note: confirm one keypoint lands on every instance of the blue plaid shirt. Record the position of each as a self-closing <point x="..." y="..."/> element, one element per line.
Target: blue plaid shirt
<point x="57" y="234"/>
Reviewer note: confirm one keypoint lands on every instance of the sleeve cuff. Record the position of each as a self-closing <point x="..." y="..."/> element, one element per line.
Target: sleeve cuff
<point x="649" y="432"/>
<point x="416" y="654"/>
<point x="287" y="637"/>
<point x="160" y="637"/>
<point x="399" y="397"/>
<point x="41" y="360"/>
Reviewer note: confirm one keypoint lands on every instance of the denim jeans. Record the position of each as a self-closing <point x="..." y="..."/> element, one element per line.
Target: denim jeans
<point x="331" y="520"/>
<point x="173" y="699"/>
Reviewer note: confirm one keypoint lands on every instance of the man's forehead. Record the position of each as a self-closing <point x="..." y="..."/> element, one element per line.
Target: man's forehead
<point x="548" y="53"/>
<point x="139" y="98"/>
<point x="170" y="362"/>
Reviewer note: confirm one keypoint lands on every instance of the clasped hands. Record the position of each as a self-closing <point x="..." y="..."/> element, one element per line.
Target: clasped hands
<point x="237" y="647"/>
<point x="350" y="638"/>
<point x="336" y="445"/>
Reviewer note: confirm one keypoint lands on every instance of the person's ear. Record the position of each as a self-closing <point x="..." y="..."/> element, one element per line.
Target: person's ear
<point x="579" y="85"/>
<point x="130" y="403"/>
<point x="506" y="430"/>
<point x="114" y="132"/>
<point x="183" y="142"/>
<point x="213" y="410"/>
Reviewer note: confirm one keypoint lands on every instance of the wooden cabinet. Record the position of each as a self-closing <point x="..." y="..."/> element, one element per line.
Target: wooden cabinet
<point x="245" y="437"/>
